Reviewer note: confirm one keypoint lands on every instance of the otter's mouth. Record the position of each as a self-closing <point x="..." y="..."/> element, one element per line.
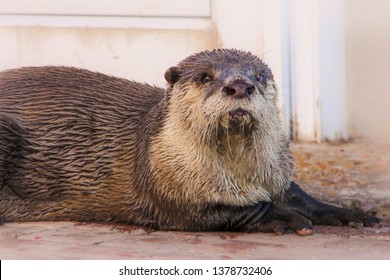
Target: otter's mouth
<point x="236" y="118"/>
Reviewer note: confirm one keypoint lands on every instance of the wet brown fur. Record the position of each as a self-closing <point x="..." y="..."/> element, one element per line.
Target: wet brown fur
<point x="80" y="145"/>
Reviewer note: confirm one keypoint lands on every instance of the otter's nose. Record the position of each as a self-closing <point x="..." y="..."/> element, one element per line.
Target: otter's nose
<point x="239" y="89"/>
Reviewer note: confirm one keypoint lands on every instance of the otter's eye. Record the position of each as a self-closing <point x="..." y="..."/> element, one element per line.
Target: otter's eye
<point x="261" y="79"/>
<point x="205" y="78"/>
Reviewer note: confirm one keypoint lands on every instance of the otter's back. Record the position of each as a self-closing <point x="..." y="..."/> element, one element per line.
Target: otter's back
<point x="60" y="88"/>
<point x="66" y="132"/>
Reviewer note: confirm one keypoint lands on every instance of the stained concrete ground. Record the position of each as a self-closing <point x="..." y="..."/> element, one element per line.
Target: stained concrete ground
<point x="354" y="175"/>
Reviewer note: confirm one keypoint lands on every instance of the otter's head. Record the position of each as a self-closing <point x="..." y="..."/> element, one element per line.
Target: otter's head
<point x="223" y="92"/>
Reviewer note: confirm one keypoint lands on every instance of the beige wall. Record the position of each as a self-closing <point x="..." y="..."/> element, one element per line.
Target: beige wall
<point x="368" y="68"/>
<point x="139" y="54"/>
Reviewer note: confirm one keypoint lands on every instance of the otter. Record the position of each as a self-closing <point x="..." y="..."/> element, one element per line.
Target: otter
<point x="208" y="153"/>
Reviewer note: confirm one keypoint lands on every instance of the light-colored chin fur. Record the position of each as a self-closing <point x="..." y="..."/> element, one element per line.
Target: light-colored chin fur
<point x="192" y="162"/>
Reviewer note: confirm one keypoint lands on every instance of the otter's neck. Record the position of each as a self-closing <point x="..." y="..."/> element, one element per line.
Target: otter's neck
<point x="236" y="170"/>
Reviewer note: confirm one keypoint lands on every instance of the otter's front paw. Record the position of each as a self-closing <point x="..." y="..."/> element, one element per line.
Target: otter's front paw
<point x="280" y="220"/>
<point x="335" y="216"/>
<point x="325" y="214"/>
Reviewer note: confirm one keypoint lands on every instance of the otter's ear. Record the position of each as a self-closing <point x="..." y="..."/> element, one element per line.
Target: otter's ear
<point x="172" y="75"/>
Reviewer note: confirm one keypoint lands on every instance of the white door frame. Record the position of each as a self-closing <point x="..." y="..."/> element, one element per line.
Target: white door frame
<point x="318" y="70"/>
<point x="303" y="42"/>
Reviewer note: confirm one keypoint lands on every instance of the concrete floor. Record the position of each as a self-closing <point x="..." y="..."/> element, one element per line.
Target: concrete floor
<point x="355" y="175"/>
<point x="66" y="240"/>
